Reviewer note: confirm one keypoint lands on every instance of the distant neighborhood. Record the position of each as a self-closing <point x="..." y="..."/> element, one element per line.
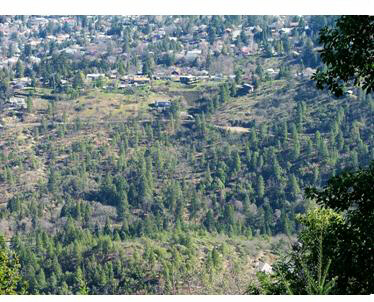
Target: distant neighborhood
<point x="154" y="46"/>
<point x="68" y="54"/>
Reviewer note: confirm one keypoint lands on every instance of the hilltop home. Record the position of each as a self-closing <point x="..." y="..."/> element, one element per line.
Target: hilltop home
<point x="248" y="87"/>
<point x="244" y="89"/>
<point x="188" y="80"/>
<point x="140" y="80"/>
<point x="18" y="103"/>
<point x="95" y="76"/>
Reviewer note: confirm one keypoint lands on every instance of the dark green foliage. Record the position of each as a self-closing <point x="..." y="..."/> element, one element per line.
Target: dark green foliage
<point x="209" y="221"/>
<point x="10" y="272"/>
<point x="347" y="52"/>
<point x="351" y="193"/>
<point x="334" y="253"/>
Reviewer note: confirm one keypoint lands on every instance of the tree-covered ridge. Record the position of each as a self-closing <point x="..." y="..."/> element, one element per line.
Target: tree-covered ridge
<point x="144" y="179"/>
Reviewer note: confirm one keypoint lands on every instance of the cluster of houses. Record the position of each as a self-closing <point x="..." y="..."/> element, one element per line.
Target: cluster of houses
<point x="190" y="42"/>
<point x="96" y="41"/>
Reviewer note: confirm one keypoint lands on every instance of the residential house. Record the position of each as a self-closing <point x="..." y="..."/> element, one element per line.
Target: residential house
<point x="248" y="87"/>
<point x="140" y="80"/>
<point x="17" y="103"/>
<point x="188" y="80"/>
<point x="271" y="71"/>
<point x="94" y="76"/>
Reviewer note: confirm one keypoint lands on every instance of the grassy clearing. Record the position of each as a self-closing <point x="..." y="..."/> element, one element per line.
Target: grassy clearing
<point x="266" y="102"/>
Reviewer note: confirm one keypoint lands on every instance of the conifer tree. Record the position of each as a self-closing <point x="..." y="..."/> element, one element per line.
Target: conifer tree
<point x="260" y="187"/>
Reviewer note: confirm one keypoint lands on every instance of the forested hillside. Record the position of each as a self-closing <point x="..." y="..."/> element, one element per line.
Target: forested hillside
<point x="103" y="191"/>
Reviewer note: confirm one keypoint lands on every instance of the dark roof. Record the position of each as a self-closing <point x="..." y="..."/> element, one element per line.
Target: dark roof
<point x="162" y="103"/>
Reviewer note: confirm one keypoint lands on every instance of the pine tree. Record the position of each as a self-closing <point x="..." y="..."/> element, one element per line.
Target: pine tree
<point x="316" y="176"/>
<point x="284" y="131"/>
<point x="145" y="193"/>
<point x="277" y="170"/>
<point x="228" y="215"/>
<point x="285" y="223"/>
<point x="324" y="151"/>
<point x="209" y="221"/>
<point x="237" y="162"/>
<point x="19" y="69"/>
<point x="81" y="285"/>
<point x="253" y="138"/>
<point x="40" y="279"/>
<point x="233" y="90"/>
<point x="260" y="187"/>
<point x="149" y="172"/>
<point x="122" y="207"/>
<point x="309" y="147"/>
<point x="208" y="177"/>
<point x="107" y="230"/>
<point x="295" y="189"/>
<point x="354" y="159"/>
<point x="318" y="139"/>
<point x="29" y="104"/>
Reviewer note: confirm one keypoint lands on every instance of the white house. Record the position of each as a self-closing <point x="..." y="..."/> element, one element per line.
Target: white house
<point x="18" y="102"/>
